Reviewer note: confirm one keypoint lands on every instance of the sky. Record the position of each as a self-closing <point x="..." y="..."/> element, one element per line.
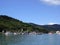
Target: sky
<point x="32" y="11"/>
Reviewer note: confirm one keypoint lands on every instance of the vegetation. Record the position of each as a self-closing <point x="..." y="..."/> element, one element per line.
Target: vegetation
<point x="10" y="24"/>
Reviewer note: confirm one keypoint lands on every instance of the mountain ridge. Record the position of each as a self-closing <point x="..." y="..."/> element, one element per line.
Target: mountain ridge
<point x="54" y="26"/>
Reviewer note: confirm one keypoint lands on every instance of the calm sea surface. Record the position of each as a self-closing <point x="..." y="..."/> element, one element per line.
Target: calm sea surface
<point x="44" y="39"/>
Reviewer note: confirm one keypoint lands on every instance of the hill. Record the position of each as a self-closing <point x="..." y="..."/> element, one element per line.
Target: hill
<point x="8" y="23"/>
<point x="54" y="27"/>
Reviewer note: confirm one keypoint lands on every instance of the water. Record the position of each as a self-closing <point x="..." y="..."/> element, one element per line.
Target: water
<point x="45" y="39"/>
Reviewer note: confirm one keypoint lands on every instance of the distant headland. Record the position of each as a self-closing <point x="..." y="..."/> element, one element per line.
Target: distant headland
<point x="9" y="24"/>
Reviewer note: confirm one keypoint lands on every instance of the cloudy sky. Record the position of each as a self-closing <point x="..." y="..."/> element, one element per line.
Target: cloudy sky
<point x="35" y="11"/>
<point x="51" y="2"/>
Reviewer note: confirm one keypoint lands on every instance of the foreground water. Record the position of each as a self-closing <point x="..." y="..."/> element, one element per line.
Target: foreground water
<point x="45" y="39"/>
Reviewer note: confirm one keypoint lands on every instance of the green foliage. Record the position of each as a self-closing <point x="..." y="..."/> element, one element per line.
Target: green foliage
<point x="10" y="24"/>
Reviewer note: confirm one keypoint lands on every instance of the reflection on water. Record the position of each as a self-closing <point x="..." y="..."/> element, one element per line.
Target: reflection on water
<point x="44" y="39"/>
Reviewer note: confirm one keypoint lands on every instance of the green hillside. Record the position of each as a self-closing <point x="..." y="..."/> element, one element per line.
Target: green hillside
<point x="8" y="23"/>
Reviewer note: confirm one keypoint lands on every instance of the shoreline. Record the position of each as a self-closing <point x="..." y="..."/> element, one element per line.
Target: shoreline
<point x="26" y="33"/>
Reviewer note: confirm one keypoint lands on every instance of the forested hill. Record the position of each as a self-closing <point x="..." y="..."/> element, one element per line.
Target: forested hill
<point x="8" y="23"/>
<point x="54" y="27"/>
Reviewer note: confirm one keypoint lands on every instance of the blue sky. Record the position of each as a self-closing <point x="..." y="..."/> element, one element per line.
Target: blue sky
<point x="35" y="11"/>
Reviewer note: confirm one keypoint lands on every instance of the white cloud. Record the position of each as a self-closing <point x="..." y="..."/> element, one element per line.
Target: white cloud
<point x="52" y="2"/>
<point x="51" y="23"/>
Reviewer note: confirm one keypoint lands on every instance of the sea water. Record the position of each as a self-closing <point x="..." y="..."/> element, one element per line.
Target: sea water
<point x="44" y="39"/>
